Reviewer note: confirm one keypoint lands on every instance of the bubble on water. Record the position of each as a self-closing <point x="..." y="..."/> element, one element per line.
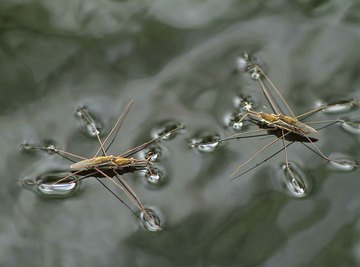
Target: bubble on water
<point x="295" y="180"/>
<point x="205" y="142"/>
<point x="88" y="122"/>
<point x="52" y="184"/>
<point x="352" y="127"/>
<point x="339" y="107"/>
<point x="167" y="129"/>
<point x="342" y="163"/>
<point x="150" y="220"/>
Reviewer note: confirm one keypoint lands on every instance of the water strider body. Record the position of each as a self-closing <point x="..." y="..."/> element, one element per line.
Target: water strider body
<point x="108" y="166"/>
<point x="284" y="127"/>
<point x="287" y="123"/>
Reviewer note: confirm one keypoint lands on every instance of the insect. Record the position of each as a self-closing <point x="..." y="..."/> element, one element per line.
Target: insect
<point x="289" y="127"/>
<point x="111" y="167"/>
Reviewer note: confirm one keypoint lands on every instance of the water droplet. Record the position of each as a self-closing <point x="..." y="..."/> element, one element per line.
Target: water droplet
<point x="167" y="129"/>
<point x="205" y="142"/>
<point x="88" y="123"/>
<point x="151" y="220"/>
<point x="295" y="180"/>
<point x="351" y="127"/>
<point x="342" y="163"/>
<point x="339" y="107"/>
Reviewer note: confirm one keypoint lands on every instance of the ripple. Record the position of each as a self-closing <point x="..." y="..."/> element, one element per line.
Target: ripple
<point x="242" y="62"/>
<point x="52" y="184"/>
<point x="157" y="176"/>
<point x="48" y="146"/>
<point x="167" y="130"/>
<point x="234" y="120"/>
<point x="339" y="107"/>
<point x="88" y="122"/>
<point x="151" y="221"/>
<point x="342" y="163"/>
<point x="351" y="127"/>
<point x="295" y="180"/>
<point x="152" y="153"/>
<point x="244" y="102"/>
<point x="205" y="142"/>
<point x="59" y="189"/>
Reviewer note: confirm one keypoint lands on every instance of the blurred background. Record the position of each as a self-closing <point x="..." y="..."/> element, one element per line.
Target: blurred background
<point x="177" y="60"/>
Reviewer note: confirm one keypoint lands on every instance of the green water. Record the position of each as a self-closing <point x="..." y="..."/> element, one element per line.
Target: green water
<point x="176" y="59"/>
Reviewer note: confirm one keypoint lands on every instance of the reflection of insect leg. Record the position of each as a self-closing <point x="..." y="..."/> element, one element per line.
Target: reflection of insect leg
<point x="126" y="189"/>
<point x="115" y="129"/>
<point x="269" y="98"/>
<point x="286" y="156"/>
<point x="256" y="154"/>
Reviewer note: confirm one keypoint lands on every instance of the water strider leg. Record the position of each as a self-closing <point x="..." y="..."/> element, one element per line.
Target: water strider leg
<point x="312" y="112"/>
<point x="286" y="156"/>
<point x="321" y="154"/>
<point x="278" y="93"/>
<point x="138" y="148"/>
<point x="60" y="152"/>
<point x="115" y="129"/>
<point x="126" y="189"/>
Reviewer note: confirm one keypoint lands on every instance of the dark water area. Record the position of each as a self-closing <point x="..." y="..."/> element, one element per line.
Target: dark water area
<point x="177" y="60"/>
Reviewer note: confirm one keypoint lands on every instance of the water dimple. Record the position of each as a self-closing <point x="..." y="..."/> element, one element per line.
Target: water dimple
<point x="48" y="146"/>
<point x="295" y="180"/>
<point x="244" y="102"/>
<point x="235" y="121"/>
<point x="151" y="220"/>
<point x="242" y="62"/>
<point x="155" y="176"/>
<point x="167" y="130"/>
<point x="351" y="127"/>
<point x="205" y="142"/>
<point x="152" y="153"/>
<point x="88" y="123"/>
<point x="59" y="189"/>
<point x="26" y="147"/>
<point x="255" y="73"/>
<point x="339" y="107"/>
<point x="342" y="163"/>
<point x="52" y="184"/>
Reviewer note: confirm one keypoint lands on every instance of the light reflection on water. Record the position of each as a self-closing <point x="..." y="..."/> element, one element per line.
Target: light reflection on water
<point x="177" y="76"/>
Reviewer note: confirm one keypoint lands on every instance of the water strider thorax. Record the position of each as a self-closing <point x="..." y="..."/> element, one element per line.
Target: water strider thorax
<point x="287" y="123"/>
<point x="105" y="161"/>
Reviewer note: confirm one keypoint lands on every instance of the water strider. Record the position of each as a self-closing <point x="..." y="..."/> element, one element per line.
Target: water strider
<point x="285" y="127"/>
<point x="106" y="166"/>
